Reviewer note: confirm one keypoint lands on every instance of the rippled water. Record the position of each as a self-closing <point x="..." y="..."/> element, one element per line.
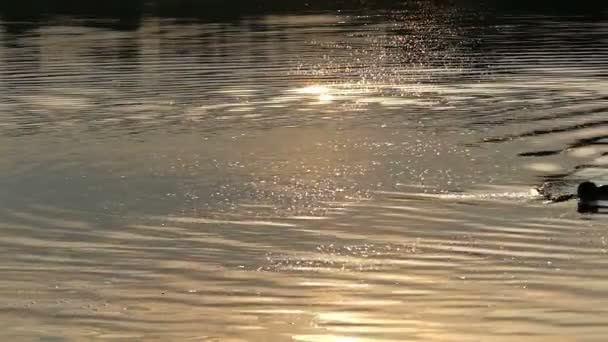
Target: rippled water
<point x="326" y="177"/>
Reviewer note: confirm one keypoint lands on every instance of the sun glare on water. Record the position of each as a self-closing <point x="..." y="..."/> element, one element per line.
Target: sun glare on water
<point x="325" y="338"/>
<point x="324" y="93"/>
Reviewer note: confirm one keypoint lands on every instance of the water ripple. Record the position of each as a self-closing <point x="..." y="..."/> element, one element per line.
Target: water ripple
<point x="337" y="177"/>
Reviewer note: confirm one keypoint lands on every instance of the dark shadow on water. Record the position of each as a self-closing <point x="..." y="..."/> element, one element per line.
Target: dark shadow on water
<point x="27" y="9"/>
<point x="16" y="27"/>
<point x="126" y="15"/>
<point x="547" y="7"/>
<point x="540" y="153"/>
<point x="22" y="16"/>
<point x="218" y="10"/>
<point x="540" y="132"/>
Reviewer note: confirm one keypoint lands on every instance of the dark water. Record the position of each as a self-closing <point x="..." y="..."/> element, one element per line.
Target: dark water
<point x="323" y="177"/>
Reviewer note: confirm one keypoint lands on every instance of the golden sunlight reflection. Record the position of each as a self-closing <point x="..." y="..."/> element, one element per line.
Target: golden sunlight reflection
<point x="325" y="338"/>
<point x="322" y="92"/>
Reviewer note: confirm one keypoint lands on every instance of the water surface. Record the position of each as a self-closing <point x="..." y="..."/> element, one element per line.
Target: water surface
<point x="324" y="177"/>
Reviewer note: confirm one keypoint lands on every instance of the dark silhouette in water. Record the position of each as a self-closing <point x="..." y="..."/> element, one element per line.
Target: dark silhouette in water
<point x="588" y="196"/>
<point x="588" y="193"/>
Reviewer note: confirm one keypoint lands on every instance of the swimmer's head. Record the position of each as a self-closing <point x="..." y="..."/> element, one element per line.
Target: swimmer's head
<point x="587" y="191"/>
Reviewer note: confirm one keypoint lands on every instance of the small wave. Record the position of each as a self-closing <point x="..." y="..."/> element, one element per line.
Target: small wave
<point x="476" y="195"/>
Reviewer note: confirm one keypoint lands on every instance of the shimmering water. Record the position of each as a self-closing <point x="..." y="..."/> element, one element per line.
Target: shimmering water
<point x="326" y="177"/>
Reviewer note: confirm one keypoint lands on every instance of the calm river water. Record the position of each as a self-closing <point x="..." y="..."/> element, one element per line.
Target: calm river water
<point x="324" y="177"/>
